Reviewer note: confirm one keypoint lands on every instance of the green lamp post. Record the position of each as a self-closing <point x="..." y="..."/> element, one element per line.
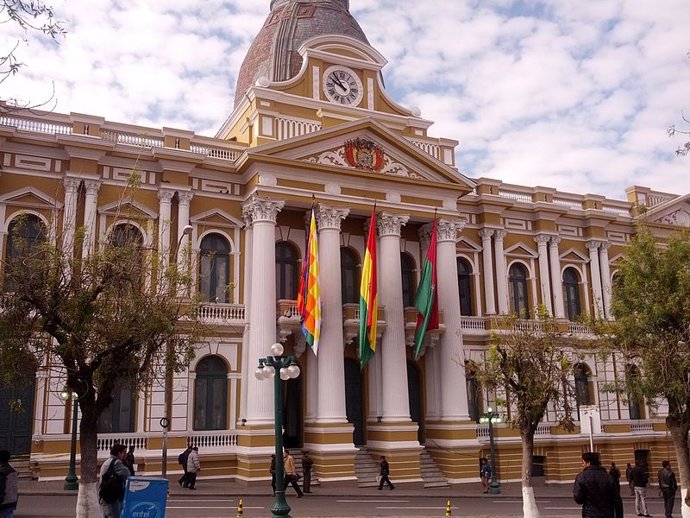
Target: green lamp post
<point x="492" y="417"/>
<point x="71" y="480"/>
<point x="287" y="368"/>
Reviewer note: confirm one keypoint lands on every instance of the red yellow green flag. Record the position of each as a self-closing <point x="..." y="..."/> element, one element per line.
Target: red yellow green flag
<point x="368" y="301"/>
<point x="426" y="299"/>
<point x="309" y="296"/>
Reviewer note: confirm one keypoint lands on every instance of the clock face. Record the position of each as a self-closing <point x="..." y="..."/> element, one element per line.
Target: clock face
<point x="342" y="86"/>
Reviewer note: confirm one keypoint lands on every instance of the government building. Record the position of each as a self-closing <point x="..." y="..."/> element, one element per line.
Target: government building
<point x="313" y="124"/>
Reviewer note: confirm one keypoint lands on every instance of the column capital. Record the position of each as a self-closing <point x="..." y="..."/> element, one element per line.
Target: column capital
<point x="71" y="184"/>
<point x="554" y="241"/>
<point x="329" y="217"/>
<point x="92" y="186"/>
<point x="448" y="229"/>
<point x="185" y="197"/>
<point x="262" y="209"/>
<point x="593" y="245"/>
<point x="605" y="245"/>
<point x="165" y="195"/>
<point x="389" y="224"/>
<point x="486" y="233"/>
<point x="500" y="234"/>
<point x="247" y="215"/>
<point x="542" y="239"/>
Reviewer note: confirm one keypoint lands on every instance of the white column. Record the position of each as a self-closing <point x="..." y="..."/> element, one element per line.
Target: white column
<point x="555" y="260"/>
<point x="90" y="205"/>
<point x="593" y="247"/>
<point x="544" y="283"/>
<point x="433" y="396"/>
<point x="606" y="278"/>
<point x="248" y="365"/>
<point x="69" y="215"/>
<point x="262" y="312"/>
<point x="392" y="352"/>
<point x="184" y="198"/>
<point x="331" y="378"/>
<point x="164" y="203"/>
<point x="501" y="274"/>
<point x="451" y="357"/>
<point x="488" y="267"/>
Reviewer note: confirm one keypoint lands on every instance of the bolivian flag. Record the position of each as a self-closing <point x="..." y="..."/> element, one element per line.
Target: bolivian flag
<point x="368" y="301"/>
<point x="426" y="299"/>
<point x="309" y="296"/>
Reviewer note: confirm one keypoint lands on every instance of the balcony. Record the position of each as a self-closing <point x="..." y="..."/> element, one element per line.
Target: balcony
<point x="221" y="314"/>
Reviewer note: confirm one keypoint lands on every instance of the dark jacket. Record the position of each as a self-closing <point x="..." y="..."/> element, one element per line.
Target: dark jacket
<point x="8" y="487"/>
<point x="385" y="470"/>
<point x="593" y="490"/>
<point x="638" y="477"/>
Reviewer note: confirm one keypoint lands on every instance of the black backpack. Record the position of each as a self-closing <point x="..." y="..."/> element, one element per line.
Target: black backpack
<point x="112" y="486"/>
<point x="182" y="458"/>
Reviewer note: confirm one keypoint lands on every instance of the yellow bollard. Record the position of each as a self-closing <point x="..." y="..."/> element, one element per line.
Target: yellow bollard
<point x="240" y="510"/>
<point x="448" y="508"/>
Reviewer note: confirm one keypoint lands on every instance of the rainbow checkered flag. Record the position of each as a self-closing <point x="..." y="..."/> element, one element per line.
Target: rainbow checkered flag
<point x="309" y="296"/>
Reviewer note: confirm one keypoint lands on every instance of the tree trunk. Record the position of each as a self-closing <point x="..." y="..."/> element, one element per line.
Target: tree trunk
<point x="529" y="503"/>
<point x="87" y="501"/>
<point x="679" y="434"/>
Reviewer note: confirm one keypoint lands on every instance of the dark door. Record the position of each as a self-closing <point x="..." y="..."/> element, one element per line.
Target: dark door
<point x="414" y="391"/>
<point x="17" y="411"/>
<point x="292" y="412"/>
<point x="354" y="404"/>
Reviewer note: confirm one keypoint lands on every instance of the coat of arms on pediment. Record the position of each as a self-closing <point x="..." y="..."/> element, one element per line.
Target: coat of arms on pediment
<point x="678" y="218"/>
<point x="363" y="154"/>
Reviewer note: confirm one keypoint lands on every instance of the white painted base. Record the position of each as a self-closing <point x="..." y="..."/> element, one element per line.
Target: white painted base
<point x="684" y="508"/>
<point x="87" y="501"/>
<point x="529" y="504"/>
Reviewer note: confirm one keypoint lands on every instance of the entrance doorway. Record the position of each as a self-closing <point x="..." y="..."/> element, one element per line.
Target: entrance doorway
<point x="17" y="404"/>
<point x="354" y="401"/>
<point x="414" y="391"/>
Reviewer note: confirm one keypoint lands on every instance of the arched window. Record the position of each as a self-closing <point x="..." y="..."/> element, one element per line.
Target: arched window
<point x="348" y="276"/>
<point x="214" y="268"/>
<point x="465" y="286"/>
<point x="119" y="416"/>
<point x="287" y="271"/>
<point x="518" y="290"/>
<point x="474" y="400"/>
<point x="127" y="237"/>
<point x="126" y="234"/>
<point x="584" y="389"/>
<point x="635" y="401"/>
<point x="24" y="236"/>
<point x="211" y="394"/>
<point x="408" y="279"/>
<point x="571" y="293"/>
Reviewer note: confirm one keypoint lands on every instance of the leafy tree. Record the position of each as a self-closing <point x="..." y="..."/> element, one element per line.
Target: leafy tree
<point x="100" y="320"/>
<point x="651" y="306"/>
<point x="530" y="362"/>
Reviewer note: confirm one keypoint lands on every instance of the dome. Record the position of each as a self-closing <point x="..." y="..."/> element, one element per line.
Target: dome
<point x="274" y="52"/>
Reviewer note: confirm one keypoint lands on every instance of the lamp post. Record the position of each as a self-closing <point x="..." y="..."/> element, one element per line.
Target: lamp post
<point x="287" y="368"/>
<point x="492" y="417"/>
<point x="165" y="420"/>
<point x="71" y="480"/>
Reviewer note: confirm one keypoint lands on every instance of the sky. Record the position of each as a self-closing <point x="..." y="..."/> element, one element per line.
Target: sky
<point x="577" y="95"/>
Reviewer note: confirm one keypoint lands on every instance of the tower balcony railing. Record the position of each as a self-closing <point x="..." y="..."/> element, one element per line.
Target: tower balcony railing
<point x="221" y="314"/>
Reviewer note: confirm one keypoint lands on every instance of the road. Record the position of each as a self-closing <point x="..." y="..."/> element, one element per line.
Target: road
<point x="388" y="504"/>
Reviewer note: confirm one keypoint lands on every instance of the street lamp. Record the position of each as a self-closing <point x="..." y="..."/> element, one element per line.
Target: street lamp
<point x="71" y="480"/>
<point x="287" y="368"/>
<point x="492" y="417"/>
<point x="165" y="420"/>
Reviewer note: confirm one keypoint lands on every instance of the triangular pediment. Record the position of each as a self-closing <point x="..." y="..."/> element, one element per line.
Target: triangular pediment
<point x="674" y="212"/>
<point x="367" y="146"/>
<point x="467" y="245"/>
<point x="29" y="197"/>
<point x="128" y="208"/>
<point x="217" y="218"/>
<point x="573" y="256"/>
<point x="520" y="250"/>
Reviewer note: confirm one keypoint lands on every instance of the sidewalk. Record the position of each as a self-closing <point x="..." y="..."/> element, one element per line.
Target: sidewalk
<point x="229" y="487"/>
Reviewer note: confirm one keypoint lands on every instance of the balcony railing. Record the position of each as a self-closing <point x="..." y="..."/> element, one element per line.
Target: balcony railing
<point x="213" y="439"/>
<point x="212" y="313"/>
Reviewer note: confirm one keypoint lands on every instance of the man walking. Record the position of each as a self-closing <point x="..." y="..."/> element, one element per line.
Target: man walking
<point x="639" y="480"/>
<point x="291" y="473"/>
<point x="182" y="461"/>
<point x="617" y="500"/>
<point x="593" y="488"/>
<point x="9" y="493"/>
<point x="668" y="487"/>
<point x="115" y="468"/>
<point x="307" y="464"/>
<point x="193" y="467"/>
<point x="384" y="472"/>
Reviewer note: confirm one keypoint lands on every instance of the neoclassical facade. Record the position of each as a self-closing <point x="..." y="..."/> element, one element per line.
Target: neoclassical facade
<point x="314" y="125"/>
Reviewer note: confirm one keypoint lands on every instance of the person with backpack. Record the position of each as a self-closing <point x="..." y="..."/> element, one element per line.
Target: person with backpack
<point x="668" y="486"/>
<point x="130" y="461"/>
<point x="182" y="461"/>
<point x="9" y="493"/>
<point x="111" y="491"/>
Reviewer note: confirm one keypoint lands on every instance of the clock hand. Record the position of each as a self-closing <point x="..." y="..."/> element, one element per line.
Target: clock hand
<point x="339" y="82"/>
